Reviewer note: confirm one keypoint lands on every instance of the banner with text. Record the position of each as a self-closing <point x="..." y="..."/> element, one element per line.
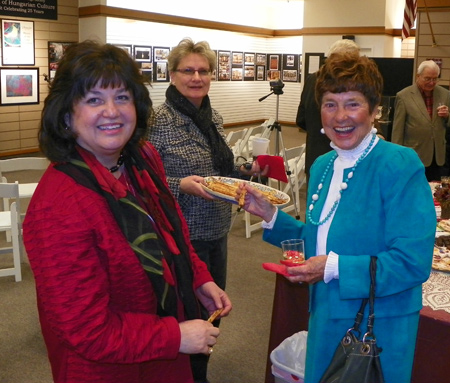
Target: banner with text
<point x="35" y="9"/>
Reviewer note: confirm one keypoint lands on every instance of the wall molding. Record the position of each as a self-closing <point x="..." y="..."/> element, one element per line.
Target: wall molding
<point x="106" y="11"/>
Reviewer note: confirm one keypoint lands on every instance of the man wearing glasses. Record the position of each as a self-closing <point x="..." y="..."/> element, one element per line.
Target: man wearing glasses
<point x="421" y="119"/>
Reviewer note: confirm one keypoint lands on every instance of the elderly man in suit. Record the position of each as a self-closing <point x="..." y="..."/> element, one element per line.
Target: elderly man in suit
<point x="421" y="119"/>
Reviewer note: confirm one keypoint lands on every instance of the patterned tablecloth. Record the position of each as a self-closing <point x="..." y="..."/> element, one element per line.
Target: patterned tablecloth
<point x="436" y="291"/>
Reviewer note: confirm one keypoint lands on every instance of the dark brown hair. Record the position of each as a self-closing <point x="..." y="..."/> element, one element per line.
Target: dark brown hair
<point x="83" y="66"/>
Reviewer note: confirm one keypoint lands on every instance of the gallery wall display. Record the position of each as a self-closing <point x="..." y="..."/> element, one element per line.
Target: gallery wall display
<point x="19" y="86"/>
<point x="17" y="42"/>
<point x="231" y="65"/>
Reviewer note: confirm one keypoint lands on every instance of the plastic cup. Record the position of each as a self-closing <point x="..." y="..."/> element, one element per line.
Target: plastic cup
<point x="259" y="146"/>
<point x="293" y="251"/>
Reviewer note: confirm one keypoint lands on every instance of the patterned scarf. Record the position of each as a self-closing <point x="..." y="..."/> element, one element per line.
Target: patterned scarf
<point x="149" y="222"/>
<point x="221" y="155"/>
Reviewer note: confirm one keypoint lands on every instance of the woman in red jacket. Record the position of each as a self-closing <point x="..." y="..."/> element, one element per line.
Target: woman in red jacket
<point x="119" y="286"/>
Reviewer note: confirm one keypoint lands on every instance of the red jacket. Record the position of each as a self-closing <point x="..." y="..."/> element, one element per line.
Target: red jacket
<point x="96" y="305"/>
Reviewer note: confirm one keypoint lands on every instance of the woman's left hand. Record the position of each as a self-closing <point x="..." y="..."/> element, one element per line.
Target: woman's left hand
<point x="311" y="271"/>
<point x="214" y="298"/>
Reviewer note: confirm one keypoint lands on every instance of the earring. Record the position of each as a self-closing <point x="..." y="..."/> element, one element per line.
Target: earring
<point x="322" y="131"/>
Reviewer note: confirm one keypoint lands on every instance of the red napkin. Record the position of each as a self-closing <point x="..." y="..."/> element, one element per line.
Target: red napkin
<point x="276" y="268"/>
<point x="276" y="167"/>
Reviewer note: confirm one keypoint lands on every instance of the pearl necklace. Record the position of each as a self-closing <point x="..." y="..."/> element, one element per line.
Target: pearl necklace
<point x="115" y="168"/>
<point x="343" y="186"/>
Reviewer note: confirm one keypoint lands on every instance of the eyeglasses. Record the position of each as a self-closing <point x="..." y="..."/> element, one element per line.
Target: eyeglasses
<point x="191" y="72"/>
<point x="430" y="79"/>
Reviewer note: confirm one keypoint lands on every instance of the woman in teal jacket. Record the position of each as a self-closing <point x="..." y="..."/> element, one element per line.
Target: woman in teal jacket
<point x="367" y="197"/>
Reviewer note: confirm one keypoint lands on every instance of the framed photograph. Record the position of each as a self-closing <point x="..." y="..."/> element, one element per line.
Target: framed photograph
<point x="126" y="47"/>
<point x="236" y="74"/>
<point x="249" y="58"/>
<point x="261" y="59"/>
<point x="17" y="42"/>
<point x="238" y="58"/>
<point x="249" y="72"/>
<point x="313" y="62"/>
<point x="19" y="86"/>
<point x="224" y="66"/>
<point x="274" y="62"/>
<point x="56" y="50"/>
<point x="260" y="72"/>
<point x="290" y="75"/>
<point x="161" y="71"/>
<point x="142" y="53"/>
<point x="160" y="53"/>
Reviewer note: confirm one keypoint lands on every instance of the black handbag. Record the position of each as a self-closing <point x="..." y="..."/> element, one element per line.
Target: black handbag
<point x="357" y="360"/>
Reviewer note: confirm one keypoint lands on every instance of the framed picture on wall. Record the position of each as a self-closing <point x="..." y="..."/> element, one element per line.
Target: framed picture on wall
<point x="160" y="53"/>
<point x="260" y="72"/>
<point x="238" y="58"/>
<point x="17" y="42"/>
<point x="126" y="47"/>
<point x="224" y="65"/>
<point x="261" y="59"/>
<point x="161" y="73"/>
<point x="19" y="86"/>
<point x="56" y="50"/>
<point x="236" y="74"/>
<point x="142" y="53"/>
<point x="249" y="72"/>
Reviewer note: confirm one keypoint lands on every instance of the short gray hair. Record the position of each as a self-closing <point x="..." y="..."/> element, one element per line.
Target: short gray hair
<point x="344" y="46"/>
<point x="187" y="46"/>
<point x="428" y="64"/>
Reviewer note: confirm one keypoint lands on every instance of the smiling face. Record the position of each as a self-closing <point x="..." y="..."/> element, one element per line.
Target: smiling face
<point x="104" y="121"/>
<point x="192" y="86"/>
<point x="346" y="118"/>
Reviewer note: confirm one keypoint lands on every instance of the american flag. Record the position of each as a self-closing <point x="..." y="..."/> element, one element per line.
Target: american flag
<point x="409" y="17"/>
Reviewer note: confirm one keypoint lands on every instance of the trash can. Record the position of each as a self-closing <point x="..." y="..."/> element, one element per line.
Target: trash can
<point x="288" y="359"/>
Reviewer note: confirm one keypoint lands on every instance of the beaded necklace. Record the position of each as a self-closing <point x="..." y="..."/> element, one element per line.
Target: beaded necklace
<point x="115" y="168"/>
<point x="343" y="186"/>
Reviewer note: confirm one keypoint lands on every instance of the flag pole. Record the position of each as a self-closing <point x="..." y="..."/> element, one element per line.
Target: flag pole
<point x="429" y="22"/>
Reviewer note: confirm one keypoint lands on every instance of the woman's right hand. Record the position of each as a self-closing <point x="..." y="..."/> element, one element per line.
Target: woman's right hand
<point x="197" y="336"/>
<point x="255" y="202"/>
<point x="192" y="185"/>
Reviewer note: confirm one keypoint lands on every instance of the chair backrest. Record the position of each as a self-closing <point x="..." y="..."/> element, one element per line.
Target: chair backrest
<point x="9" y="190"/>
<point x="23" y="163"/>
<point x="235" y="139"/>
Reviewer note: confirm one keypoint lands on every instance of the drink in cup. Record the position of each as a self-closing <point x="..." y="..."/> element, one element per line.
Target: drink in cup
<point x="259" y="146"/>
<point x="293" y="252"/>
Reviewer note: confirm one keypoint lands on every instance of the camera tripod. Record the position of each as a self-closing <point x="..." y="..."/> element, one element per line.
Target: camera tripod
<point x="277" y="88"/>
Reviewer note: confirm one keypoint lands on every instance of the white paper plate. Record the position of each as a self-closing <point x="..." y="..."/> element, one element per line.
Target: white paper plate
<point x="231" y="181"/>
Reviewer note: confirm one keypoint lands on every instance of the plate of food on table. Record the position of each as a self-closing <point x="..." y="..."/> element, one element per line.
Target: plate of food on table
<point x="441" y="254"/>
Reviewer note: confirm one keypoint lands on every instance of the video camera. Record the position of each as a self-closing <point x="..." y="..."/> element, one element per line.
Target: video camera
<point x="277" y="86"/>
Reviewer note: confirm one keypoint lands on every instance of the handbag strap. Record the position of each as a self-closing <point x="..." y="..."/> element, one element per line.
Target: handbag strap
<point x="371" y="301"/>
<point x="371" y="319"/>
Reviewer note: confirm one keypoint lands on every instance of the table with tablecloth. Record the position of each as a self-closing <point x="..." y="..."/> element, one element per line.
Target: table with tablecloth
<point x="290" y="315"/>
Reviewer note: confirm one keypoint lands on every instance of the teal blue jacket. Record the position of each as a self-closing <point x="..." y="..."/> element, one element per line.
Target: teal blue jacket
<point x="387" y="211"/>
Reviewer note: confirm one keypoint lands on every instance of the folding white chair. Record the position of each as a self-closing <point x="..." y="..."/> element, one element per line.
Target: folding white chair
<point x="295" y="158"/>
<point x="26" y="190"/>
<point x="235" y="140"/>
<point x="9" y="222"/>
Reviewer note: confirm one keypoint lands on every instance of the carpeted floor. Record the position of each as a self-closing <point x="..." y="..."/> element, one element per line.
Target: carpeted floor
<point x="241" y="353"/>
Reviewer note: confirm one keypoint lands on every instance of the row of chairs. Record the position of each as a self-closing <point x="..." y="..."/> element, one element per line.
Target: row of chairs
<point x="11" y="216"/>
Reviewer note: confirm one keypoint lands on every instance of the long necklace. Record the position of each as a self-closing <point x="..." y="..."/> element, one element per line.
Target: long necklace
<point x="115" y="168"/>
<point x="343" y="186"/>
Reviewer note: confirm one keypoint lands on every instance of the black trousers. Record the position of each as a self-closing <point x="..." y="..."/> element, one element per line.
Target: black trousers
<point x="214" y="254"/>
